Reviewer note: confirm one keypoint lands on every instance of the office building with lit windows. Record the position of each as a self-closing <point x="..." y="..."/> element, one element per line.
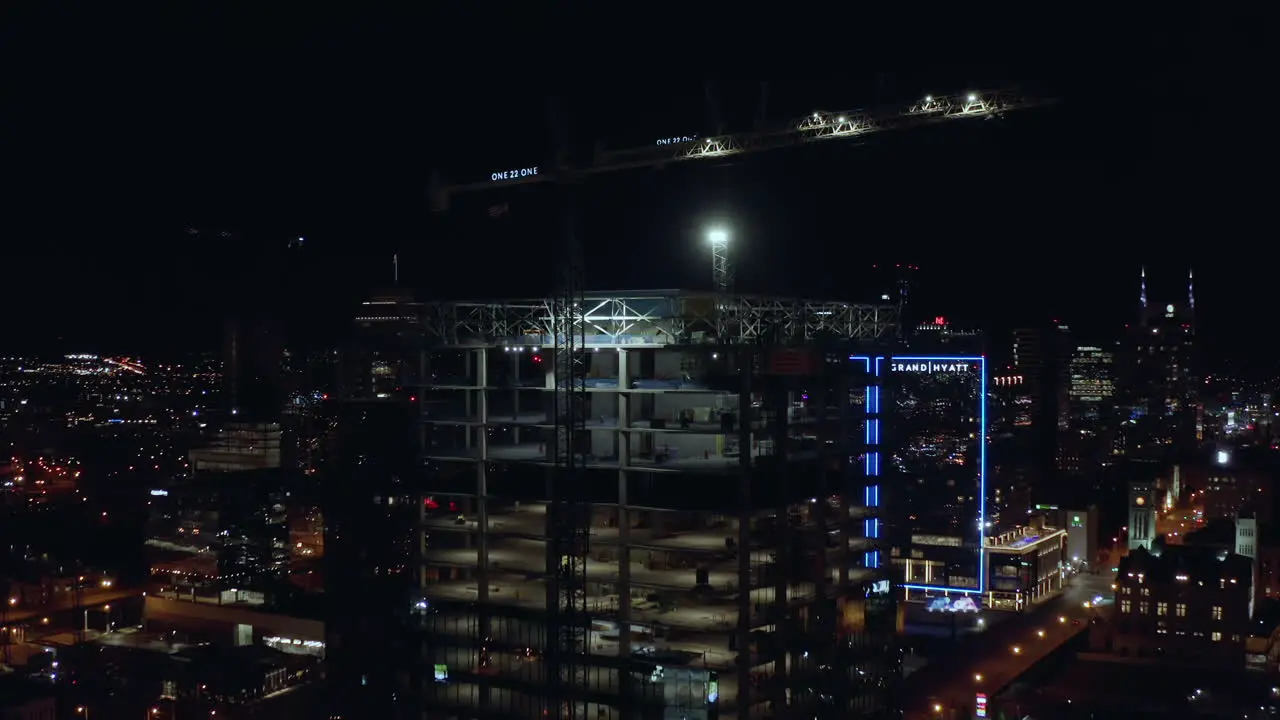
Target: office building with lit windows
<point x="1092" y="387"/>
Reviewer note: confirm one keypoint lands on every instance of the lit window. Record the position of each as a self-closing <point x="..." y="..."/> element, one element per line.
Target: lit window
<point x="1162" y="608"/>
<point x="1125" y="606"/>
<point x="1146" y="592"/>
<point x="1216" y="637"/>
<point x="1217" y="612"/>
<point x="1143" y="607"/>
<point x="1180" y="609"/>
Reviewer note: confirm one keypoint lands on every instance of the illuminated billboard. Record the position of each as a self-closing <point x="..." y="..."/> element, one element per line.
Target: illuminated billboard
<point x="934" y="408"/>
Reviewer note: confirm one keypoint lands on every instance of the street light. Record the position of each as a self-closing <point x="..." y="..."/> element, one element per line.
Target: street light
<point x="82" y="710"/>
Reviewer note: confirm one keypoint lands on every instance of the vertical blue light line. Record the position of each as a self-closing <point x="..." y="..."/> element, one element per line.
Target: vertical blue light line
<point x="982" y="480"/>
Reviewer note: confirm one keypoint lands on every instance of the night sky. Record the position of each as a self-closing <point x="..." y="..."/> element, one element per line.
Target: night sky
<point x="122" y="133"/>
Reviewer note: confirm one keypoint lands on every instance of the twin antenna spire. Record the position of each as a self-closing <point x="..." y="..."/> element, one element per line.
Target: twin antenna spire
<point x="1191" y="288"/>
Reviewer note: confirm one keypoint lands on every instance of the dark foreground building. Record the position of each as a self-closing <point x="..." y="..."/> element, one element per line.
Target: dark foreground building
<point x="1185" y="602"/>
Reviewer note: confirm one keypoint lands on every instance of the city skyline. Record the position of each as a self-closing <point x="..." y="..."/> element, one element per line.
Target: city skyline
<point x="452" y="364"/>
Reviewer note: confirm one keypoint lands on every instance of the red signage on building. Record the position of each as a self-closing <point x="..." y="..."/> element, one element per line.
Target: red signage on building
<point x="792" y="362"/>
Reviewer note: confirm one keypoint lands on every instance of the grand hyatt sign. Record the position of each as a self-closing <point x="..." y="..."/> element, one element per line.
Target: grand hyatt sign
<point x="931" y="366"/>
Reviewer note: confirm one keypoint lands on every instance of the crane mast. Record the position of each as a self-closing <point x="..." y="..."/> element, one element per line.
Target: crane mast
<point x="569" y="514"/>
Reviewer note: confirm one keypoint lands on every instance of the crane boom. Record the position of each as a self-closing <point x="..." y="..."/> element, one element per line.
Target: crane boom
<point x="813" y="128"/>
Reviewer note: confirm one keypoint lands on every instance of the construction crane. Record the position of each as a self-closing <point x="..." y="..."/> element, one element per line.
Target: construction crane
<point x="816" y="127"/>
<point x="568" y="515"/>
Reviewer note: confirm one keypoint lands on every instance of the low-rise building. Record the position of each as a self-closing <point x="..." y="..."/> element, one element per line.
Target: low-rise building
<point x="1187" y="602"/>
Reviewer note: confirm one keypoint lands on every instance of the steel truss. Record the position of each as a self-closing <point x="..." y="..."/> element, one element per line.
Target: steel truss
<point x="815" y="127"/>
<point x="669" y="318"/>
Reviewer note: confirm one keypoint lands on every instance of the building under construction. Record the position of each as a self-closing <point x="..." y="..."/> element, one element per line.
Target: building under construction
<point x="731" y="549"/>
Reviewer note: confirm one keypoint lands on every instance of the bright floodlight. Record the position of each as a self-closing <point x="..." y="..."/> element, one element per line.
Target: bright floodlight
<point x="973" y="97"/>
<point x="718" y="237"/>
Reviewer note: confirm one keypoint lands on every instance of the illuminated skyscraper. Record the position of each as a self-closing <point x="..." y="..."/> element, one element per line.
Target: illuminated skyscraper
<point x="1163" y="384"/>
<point x="1092" y="385"/>
<point x="935" y="410"/>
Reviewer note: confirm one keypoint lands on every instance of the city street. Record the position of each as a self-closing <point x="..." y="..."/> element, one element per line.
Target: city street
<point x="88" y="599"/>
<point x="989" y="661"/>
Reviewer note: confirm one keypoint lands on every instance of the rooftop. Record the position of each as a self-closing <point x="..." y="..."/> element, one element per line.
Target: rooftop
<point x="1167" y="563"/>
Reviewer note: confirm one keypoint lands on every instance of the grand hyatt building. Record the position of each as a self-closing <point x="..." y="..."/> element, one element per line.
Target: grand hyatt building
<point x="934" y="411"/>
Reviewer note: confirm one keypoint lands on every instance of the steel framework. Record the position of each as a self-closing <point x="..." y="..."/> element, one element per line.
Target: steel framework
<point x="659" y="318"/>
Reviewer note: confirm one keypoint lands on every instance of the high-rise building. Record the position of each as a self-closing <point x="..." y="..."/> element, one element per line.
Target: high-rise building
<point x="372" y="476"/>
<point x="1163" y="380"/>
<point x="1041" y="357"/>
<point x="1092" y="386"/>
<point x="1091" y="409"/>
<point x="735" y="555"/>
<point x="936" y="411"/>
<point x="253" y="349"/>
<point x="371" y="483"/>
<point x="384" y="357"/>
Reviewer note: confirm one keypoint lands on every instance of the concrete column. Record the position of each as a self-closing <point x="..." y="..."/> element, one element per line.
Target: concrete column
<point x="818" y="510"/>
<point x="515" y="399"/>
<point x="483" y="615"/>
<point x="778" y="399"/>
<point x="848" y="472"/>
<point x="624" y="534"/>
<point x="743" y="643"/>
<point x="469" y="363"/>
<point x="624" y="410"/>
<point x="482" y="480"/>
